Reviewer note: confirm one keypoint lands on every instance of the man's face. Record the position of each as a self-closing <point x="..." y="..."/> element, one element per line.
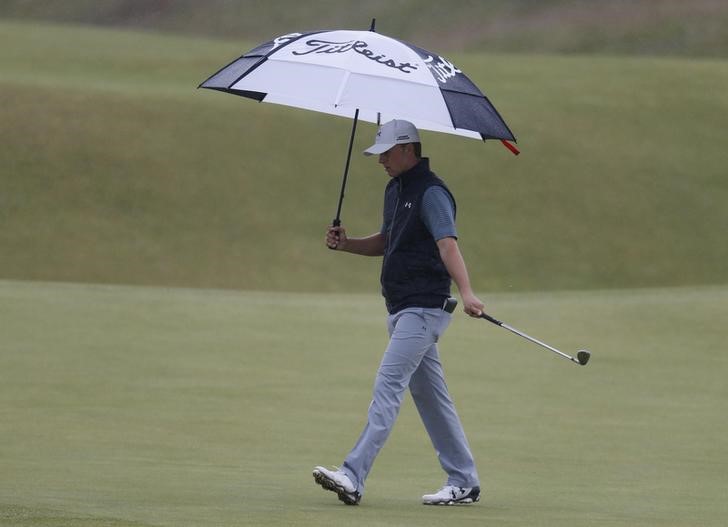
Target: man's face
<point x="398" y="159"/>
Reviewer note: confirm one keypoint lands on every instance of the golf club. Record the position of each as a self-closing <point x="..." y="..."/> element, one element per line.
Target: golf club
<point x="582" y="356"/>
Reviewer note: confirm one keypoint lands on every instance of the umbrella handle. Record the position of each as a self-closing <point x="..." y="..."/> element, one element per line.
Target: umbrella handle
<point x="337" y="220"/>
<point x="335" y="223"/>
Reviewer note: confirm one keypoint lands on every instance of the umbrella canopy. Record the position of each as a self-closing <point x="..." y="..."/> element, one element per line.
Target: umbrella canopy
<point x="364" y="75"/>
<point x="339" y="72"/>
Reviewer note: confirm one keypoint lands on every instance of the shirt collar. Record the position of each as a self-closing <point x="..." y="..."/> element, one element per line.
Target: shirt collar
<point x="422" y="167"/>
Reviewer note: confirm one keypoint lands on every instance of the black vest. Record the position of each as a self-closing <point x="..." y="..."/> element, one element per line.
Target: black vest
<point x="413" y="274"/>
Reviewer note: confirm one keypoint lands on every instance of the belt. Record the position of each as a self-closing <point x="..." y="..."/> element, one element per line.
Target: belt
<point x="449" y="305"/>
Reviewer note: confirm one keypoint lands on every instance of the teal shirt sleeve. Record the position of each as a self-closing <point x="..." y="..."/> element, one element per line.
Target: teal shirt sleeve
<point x="438" y="213"/>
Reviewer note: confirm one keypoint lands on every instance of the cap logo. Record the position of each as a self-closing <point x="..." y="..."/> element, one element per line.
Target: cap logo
<point x="394" y="132"/>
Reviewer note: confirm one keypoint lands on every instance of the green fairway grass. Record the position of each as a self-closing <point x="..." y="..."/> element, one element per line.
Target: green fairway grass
<point x="133" y="406"/>
<point x="117" y="170"/>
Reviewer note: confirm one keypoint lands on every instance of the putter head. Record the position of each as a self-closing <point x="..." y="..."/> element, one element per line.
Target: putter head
<point x="583" y="357"/>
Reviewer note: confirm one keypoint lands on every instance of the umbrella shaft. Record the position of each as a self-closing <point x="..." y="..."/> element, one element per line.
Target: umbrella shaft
<point x="337" y="220"/>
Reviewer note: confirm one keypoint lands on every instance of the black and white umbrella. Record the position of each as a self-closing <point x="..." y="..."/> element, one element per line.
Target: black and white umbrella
<point x="366" y="76"/>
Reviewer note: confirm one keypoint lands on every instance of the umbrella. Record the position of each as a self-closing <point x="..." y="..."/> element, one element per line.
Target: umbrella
<point x="366" y="76"/>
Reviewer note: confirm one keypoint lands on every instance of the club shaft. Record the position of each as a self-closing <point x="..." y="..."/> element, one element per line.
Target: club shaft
<point x="536" y="341"/>
<point x="527" y="337"/>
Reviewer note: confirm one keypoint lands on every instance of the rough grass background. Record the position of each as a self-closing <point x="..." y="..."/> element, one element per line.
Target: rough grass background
<point x="116" y="169"/>
<point x="645" y="27"/>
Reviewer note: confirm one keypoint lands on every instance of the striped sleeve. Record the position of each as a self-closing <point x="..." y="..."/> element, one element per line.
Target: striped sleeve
<point x="437" y="213"/>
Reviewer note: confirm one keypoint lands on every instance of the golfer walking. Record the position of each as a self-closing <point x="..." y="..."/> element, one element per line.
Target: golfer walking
<point x="418" y="242"/>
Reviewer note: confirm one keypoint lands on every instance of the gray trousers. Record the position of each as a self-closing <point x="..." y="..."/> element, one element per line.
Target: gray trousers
<point x="412" y="360"/>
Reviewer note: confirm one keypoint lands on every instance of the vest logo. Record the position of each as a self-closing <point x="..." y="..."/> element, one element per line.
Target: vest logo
<point x="408" y="205"/>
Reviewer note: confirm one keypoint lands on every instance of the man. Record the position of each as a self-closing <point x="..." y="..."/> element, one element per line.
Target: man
<point x="418" y="241"/>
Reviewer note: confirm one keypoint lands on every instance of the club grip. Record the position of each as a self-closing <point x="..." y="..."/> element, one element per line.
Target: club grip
<point x="487" y="317"/>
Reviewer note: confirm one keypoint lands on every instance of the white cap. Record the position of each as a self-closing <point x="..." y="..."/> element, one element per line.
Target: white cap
<point x="395" y="132"/>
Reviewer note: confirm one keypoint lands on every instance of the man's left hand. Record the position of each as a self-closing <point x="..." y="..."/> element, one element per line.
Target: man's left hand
<point x="472" y="305"/>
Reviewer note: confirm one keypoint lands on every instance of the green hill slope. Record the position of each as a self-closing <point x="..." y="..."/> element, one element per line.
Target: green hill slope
<point x="652" y="27"/>
<point x="116" y="169"/>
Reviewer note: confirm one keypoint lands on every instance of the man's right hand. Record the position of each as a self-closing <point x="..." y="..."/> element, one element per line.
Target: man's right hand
<point x="336" y="238"/>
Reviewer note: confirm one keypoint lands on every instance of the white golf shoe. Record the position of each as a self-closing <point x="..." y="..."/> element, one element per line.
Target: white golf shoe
<point x="449" y="495"/>
<point x="337" y="481"/>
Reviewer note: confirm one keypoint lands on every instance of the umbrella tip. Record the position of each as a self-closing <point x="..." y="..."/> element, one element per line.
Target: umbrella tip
<point x="511" y="147"/>
<point x="374" y="23"/>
